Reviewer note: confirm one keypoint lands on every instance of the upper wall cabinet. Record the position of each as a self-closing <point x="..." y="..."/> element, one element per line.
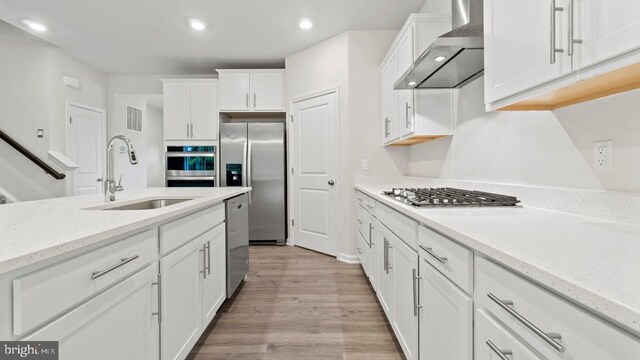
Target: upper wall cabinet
<point x="413" y="116"/>
<point x="252" y="90"/>
<point x="190" y="110"/>
<point x="554" y="53"/>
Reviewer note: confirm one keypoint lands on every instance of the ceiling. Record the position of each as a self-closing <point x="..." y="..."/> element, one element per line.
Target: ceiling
<point x="154" y="36"/>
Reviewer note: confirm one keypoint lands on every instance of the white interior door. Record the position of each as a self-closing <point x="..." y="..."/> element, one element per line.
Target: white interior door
<point x="314" y="157"/>
<point x="86" y="148"/>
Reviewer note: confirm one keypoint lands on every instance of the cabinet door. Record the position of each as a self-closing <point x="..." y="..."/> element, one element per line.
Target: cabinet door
<point x="446" y="318"/>
<point x="405" y="310"/>
<point x="405" y="51"/>
<point x="214" y="289"/>
<point x="373" y="256"/>
<point x="405" y="112"/>
<point x="181" y="300"/>
<point x="518" y="47"/>
<point x="389" y="99"/>
<point x="385" y="270"/>
<point x="204" y="112"/>
<point x="268" y="91"/>
<point x="177" y="110"/>
<point x="117" y="324"/>
<point x="606" y="27"/>
<point x="235" y="89"/>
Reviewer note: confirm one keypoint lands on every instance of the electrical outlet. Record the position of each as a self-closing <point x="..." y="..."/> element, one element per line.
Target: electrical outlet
<point x="603" y="155"/>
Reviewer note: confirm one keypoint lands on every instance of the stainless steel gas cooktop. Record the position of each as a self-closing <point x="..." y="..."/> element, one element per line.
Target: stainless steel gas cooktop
<point x="447" y="197"/>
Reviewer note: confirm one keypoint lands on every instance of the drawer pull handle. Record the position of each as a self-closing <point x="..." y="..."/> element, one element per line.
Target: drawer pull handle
<point x="429" y="251"/>
<point x="549" y="338"/>
<point x="123" y="261"/>
<point x="416" y="300"/>
<point x="502" y="354"/>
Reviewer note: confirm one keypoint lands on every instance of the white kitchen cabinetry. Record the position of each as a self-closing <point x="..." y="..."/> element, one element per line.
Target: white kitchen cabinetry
<point x="120" y="323"/>
<point x="214" y="284"/>
<point x="535" y="57"/>
<point x="251" y="90"/>
<point x="190" y="110"/>
<point x="181" y="299"/>
<point x="384" y="260"/>
<point x="517" y="46"/>
<point x="405" y="297"/>
<point x="550" y="325"/>
<point x="412" y="116"/>
<point x="446" y="321"/>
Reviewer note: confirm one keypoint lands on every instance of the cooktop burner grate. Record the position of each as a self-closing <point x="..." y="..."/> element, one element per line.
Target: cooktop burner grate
<point x="450" y="197"/>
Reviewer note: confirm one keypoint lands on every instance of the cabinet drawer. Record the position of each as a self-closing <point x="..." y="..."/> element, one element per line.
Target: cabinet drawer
<point x="490" y="338"/>
<point x="366" y="202"/>
<point x="450" y="258"/>
<point x="39" y="296"/>
<point x="583" y="336"/>
<point x="404" y="227"/>
<point x="179" y="232"/>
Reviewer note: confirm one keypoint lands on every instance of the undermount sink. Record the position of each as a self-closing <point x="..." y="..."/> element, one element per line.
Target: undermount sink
<point x="147" y="204"/>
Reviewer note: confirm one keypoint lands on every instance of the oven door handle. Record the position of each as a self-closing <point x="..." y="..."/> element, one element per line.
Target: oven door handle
<point x="190" y="154"/>
<point x="190" y="178"/>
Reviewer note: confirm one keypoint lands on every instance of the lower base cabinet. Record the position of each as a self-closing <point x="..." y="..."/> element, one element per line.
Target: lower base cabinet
<point x="193" y="288"/>
<point x="382" y="237"/>
<point x="492" y="341"/>
<point x="446" y="318"/>
<point x="181" y="299"/>
<point x="405" y="297"/>
<point x="120" y="323"/>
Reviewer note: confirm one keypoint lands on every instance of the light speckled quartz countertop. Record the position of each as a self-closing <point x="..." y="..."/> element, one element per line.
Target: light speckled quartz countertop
<point x="38" y="230"/>
<point x="595" y="263"/>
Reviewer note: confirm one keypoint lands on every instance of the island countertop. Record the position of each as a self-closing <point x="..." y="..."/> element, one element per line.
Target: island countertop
<point x="34" y="231"/>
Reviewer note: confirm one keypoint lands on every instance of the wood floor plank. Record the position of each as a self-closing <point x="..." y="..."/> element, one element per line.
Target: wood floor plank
<point x="298" y="304"/>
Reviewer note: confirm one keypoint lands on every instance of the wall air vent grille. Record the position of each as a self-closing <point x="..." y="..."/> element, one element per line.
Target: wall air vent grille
<point x="134" y="119"/>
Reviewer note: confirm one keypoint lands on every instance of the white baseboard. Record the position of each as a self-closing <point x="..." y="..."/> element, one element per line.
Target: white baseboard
<point x="349" y="259"/>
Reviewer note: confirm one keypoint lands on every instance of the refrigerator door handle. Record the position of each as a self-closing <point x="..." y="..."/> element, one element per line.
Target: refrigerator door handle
<point x="249" y="171"/>
<point x="244" y="164"/>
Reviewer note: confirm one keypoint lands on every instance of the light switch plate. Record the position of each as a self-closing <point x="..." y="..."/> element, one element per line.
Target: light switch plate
<point x="364" y="164"/>
<point x="603" y="155"/>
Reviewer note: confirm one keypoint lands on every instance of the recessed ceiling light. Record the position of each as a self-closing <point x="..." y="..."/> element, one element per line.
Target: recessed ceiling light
<point x="35" y="26"/>
<point x="412" y="83"/>
<point x="439" y="58"/>
<point x="197" y="25"/>
<point x="306" y="24"/>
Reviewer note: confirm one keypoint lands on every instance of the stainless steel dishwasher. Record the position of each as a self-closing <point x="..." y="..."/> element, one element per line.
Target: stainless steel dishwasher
<point x="237" y="210"/>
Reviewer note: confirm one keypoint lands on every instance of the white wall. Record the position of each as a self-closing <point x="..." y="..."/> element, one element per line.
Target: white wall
<point x="349" y="61"/>
<point x="33" y="97"/>
<point x="155" y="147"/>
<point x="540" y="148"/>
<point x="133" y="176"/>
<point x="437" y="7"/>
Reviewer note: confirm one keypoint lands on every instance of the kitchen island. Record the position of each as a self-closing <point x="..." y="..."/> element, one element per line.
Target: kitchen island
<point x="130" y="279"/>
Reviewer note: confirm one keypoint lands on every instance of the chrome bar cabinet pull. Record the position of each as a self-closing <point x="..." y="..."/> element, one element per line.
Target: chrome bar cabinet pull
<point x="571" y="37"/>
<point x="416" y="304"/>
<point x="123" y="262"/>
<point x="549" y="338"/>
<point x="552" y="32"/>
<point x="502" y="354"/>
<point x="208" y="245"/>
<point x="159" y="285"/>
<point x="441" y="259"/>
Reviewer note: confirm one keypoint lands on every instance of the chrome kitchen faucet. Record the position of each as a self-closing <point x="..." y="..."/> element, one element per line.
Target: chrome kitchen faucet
<point x="110" y="187"/>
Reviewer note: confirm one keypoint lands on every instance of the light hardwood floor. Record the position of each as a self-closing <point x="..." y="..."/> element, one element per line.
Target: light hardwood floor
<point x="298" y="304"/>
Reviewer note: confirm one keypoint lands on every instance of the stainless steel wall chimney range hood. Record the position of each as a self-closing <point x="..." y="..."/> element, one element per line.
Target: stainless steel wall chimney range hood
<point x="454" y="59"/>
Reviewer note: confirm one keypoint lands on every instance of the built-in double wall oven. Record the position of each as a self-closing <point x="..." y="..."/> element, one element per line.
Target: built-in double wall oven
<point x="191" y="166"/>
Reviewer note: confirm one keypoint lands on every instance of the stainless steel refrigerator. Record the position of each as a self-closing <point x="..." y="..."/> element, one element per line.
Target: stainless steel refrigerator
<point x="253" y="154"/>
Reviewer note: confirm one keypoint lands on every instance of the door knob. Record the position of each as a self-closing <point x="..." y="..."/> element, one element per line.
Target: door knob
<point x="331" y="182"/>
<point x="100" y="180"/>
